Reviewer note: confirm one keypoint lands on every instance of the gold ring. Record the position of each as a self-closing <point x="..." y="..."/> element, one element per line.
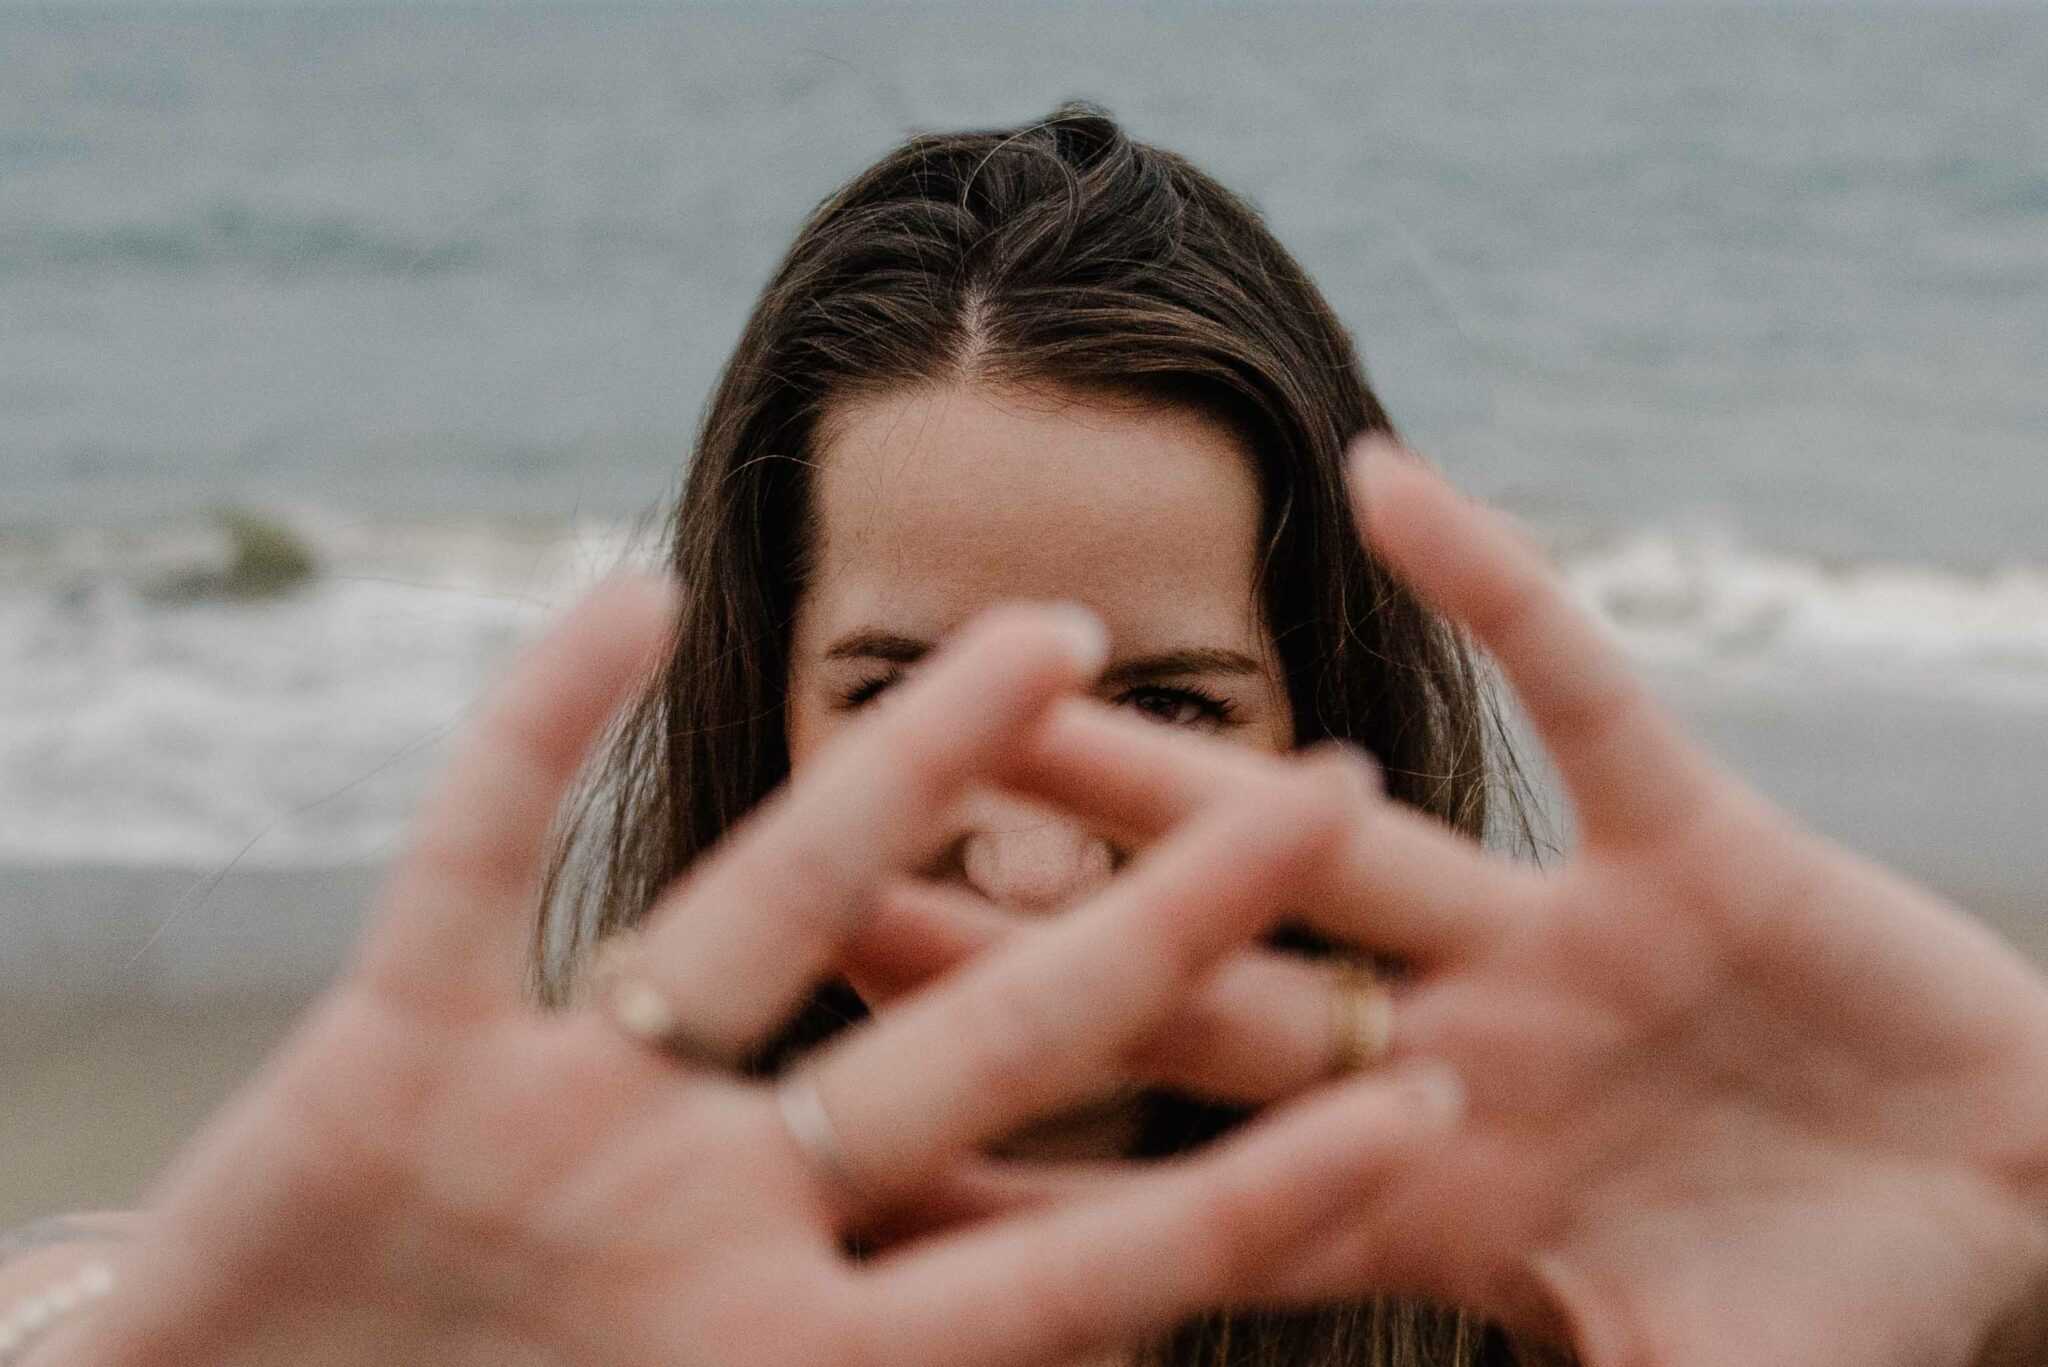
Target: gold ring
<point x="1361" y="1017"/>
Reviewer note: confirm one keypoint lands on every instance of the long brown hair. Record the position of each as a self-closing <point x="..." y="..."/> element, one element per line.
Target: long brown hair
<point x="1059" y="253"/>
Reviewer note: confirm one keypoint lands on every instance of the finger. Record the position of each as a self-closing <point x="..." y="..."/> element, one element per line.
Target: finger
<point x="916" y="931"/>
<point x="454" y="920"/>
<point x="1401" y="883"/>
<point x="982" y="1189"/>
<point x="1529" y="1050"/>
<point x="729" y="953"/>
<point x="1100" y="1274"/>
<point x="1131" y="779"/>
<point x="1051" y="1020"/>
<point x="1263" y="1026"/>
<point x="1629" y="770"/>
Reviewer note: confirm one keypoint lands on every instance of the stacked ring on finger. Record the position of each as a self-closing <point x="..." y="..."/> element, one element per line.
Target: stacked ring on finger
<point x="1361" y="1017"/>
<point x="646" y="1015"/>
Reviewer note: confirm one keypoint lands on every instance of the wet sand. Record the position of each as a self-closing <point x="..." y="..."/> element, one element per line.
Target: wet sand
<point x="134" y="1000"/>
<point x="97" y="1096"/>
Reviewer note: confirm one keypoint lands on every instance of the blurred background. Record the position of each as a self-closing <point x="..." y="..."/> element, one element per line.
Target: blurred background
<point x="341" y="343"/>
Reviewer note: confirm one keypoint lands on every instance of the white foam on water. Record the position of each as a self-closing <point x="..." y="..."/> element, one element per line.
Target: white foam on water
<point x="1704" y="604"/>
<point x="300" y="730"/>
<point x="294" y="730"/>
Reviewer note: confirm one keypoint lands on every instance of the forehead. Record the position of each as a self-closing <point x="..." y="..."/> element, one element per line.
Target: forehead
<point x="933" y="502"/>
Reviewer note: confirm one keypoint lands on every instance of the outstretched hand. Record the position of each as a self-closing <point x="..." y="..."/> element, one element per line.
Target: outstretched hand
<point x="1737" y="1096"/>
<point x="434" y="1171"/>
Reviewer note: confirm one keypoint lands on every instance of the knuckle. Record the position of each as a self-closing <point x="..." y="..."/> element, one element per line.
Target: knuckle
<point x="1523" y="589"/>
<point x="1496" y="605"/>
<point x="816" y="887"/>
<point x="1011" y="1033"/>
<point x="461" y="835"/>
<point x="519" y="758"/>
<point x="1582" y="716"/>
<point x="915" y="759"/>
<point x="1308" y="806"/>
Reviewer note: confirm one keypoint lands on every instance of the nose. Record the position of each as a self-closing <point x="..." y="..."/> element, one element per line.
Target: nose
<point x="1032" y="858"/>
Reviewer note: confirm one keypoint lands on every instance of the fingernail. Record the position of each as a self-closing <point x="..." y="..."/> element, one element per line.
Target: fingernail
<point x="1373" y="446"/>
<point x="1363" y="769"/>
<point x="660" y="591"/>
<point x="1084" y="633"/>
<point x="641" y="1011"/>
<point x="1436" y="1096"/>
<point x="1375" y="452"/>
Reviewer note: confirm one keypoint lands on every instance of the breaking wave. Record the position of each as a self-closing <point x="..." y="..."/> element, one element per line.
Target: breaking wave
<point x="157" y="708"/>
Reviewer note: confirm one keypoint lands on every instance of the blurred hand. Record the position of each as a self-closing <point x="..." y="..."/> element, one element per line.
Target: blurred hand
<point x="1736" y="1095"/>
<point x="433" y="1171"/>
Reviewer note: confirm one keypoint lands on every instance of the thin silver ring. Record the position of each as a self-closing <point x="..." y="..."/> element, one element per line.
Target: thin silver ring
<point x="810" y="1126"/>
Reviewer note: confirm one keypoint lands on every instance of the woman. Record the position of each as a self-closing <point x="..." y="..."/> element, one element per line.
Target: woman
<point x="897" y="441"/>
<point x="1732" y="1096"/>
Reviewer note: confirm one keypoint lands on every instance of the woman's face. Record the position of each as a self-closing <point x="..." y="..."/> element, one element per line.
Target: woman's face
<point x="935" y="503"/>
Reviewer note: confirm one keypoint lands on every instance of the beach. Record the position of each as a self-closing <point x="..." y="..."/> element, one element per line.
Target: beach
<point x="113" y="1049"/>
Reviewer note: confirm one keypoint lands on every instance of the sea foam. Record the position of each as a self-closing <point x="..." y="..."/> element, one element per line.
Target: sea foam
<point x="299" y="729"/>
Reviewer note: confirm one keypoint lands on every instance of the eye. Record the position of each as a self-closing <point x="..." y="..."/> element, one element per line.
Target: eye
<point x="1178" y="706"/>
<point x="867" y="690"/>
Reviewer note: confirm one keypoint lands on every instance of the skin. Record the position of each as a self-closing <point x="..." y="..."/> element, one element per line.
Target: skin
<point x="932" y="504"/>
<point x="1590" y="1008"/>
<point x="1737" y="1096"/>
<point x="433" y="1167"/>
<point x="1710" y="1061"/>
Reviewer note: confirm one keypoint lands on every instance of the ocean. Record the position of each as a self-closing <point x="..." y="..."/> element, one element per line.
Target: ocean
<point x="1743" y="309"/>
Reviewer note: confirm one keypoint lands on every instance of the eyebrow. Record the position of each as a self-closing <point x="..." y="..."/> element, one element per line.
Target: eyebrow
<point x="890" y="648"/>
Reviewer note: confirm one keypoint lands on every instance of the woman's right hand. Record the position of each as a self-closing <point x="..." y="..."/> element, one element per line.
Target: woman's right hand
<point x="433" y="1171"/>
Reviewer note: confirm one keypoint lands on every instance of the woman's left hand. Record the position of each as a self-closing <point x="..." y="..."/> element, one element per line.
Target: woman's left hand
<point x="1737" y="1096"/>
